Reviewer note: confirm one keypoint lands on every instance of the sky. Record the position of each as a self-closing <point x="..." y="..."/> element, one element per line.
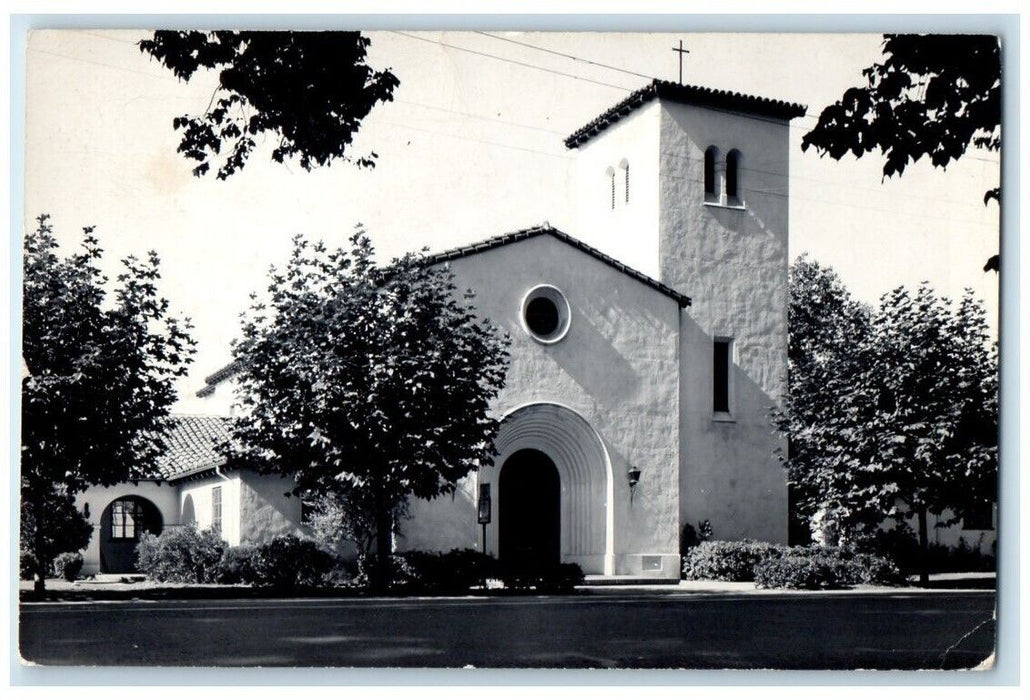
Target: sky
<point x="470" y="147"/>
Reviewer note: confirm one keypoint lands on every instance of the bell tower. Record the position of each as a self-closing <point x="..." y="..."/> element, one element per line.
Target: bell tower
<point x="690" y="185"/>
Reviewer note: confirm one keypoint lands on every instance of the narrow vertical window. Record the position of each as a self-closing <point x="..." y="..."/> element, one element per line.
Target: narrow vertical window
<point x="721" y="376"/>
<point x="733" y="176"/>
<point x="624" y="167"/>
<point x="613" y="190"/>
<point x="216" y="508"/>
<point x="710" y="156"/>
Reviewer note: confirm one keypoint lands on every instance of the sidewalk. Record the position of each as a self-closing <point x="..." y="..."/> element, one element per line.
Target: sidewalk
<point x="112" y="587"/>
<point x="959" y="582"/>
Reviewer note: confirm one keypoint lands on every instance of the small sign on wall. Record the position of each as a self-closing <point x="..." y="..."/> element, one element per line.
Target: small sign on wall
<point x="484" y="504"/>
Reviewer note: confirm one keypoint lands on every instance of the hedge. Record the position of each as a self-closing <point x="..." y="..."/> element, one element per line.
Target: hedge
<point x="778" y="566"/>
<point x="68" y="565"/>
<point x="721" y="560"/>
<point x="181" y="555"/>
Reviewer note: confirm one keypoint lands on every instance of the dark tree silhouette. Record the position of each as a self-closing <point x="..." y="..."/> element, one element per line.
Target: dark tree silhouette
<point x="98" y="385"/>
<point x="371" y="384"/>
<point x="310" y="89"/>
<point x="934" y="96"/>
<point x="891" y="413"/>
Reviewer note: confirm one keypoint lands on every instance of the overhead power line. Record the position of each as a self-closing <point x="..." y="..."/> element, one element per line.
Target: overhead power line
<point x="509" y="60"/>
<point x="566" y="55"/>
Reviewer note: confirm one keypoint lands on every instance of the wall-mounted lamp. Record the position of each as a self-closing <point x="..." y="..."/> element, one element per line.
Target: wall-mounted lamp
<point x="85" y="510"/>
<point x="634" y="479"/>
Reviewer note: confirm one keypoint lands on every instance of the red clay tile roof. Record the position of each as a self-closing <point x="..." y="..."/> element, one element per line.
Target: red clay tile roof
<point x="191" y="445"/>
<point x="505" y="239"/>
<point x="686" y="94"/>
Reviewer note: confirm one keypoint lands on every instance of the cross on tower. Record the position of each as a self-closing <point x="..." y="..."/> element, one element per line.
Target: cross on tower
<point x="681" y="51"/>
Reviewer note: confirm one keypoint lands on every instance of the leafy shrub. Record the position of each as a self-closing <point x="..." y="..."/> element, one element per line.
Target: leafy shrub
<point x="287" y="562"/>
<point x="874" y="569"/>
<point x="62" y="527"/>
<point x="818" y="567"/>
<point x="26" y="565"/>
<point x="901" y="545"/>
<point x="727" y="561"/>
<point x="557" y="578"/>
<point x="691" y="537"/>
<point x="562" y="578"/>
<point x="456" y="571"/>
<point x="802" y="571"/>
<point x="237" y="565"/>
<point x="68" y="565"/>
<point x="181" y="555"/>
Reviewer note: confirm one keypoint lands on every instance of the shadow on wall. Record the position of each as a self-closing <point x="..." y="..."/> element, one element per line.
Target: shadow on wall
<point x="593" y="361"/>
<point x="732" y="474"/>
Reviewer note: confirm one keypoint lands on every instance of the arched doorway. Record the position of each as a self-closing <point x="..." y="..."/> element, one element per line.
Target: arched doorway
<point x="121" y="524"/>
<point x="529" y="511"/>
<point x="574" y="447"/>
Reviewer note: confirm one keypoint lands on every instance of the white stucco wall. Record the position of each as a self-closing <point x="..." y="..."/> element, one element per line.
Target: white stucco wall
<point x="220" y="401"/>
<point x="617" y="368"/>
<point x="265" y="509"/>
<point x="162" y="495"/>
<point x="196" y="498"/>
<point x="629" y="231"/>
<point x="732" y="261"/>
<point x="952" y="536"/>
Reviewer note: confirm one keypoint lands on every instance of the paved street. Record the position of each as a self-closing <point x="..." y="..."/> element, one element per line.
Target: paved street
<point x="903" y="630"/>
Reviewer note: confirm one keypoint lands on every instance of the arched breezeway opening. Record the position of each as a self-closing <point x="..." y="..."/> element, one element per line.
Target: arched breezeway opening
<point x="122" y="523"/>
<point x="550" y="433"/>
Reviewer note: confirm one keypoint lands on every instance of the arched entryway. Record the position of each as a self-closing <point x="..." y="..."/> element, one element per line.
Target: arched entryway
<point x="529" y="511"/>
<point x="122" y="523"/>
<point x="577" y="454"/>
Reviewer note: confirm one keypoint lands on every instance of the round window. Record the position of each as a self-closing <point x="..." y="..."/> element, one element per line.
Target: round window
<point x="545" y="313"/>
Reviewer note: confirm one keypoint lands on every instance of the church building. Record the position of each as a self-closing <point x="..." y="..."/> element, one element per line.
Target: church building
<point x="649" y="345"/>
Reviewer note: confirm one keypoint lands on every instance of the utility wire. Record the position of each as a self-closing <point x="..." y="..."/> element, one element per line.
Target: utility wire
<point x="481" y="116"/>
<point x="162" y="76"/>
<point x="566" y="55"/>
<point x="805" y="198"/>
<point x="466" y="138"/>
<point x="508" y="60"/>
<point x="833" y="183"/>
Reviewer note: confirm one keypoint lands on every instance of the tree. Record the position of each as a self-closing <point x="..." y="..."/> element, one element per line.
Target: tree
<point x="933" y="95"/>
<point x="310" y="89"/>
<point x="828" y="329"/>
<point x="98" y="385"/>
<point x="896" y="420"/>
<point x="365" y="382"/>
<point x="345" y="521"/>
<point x="50" y="530"/>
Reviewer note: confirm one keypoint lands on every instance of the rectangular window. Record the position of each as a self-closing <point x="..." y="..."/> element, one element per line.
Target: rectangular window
<point x="124" y="515"/>
<point x="216" y="508"/>
<point x="721" y="376"/>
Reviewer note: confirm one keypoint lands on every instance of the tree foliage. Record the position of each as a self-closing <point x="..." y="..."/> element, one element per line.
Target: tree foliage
<point x="933" y="96"/>
<point x="891" y="413"/>
<point x="53" y="529"/>
<point x="369" y="382"/>
<point x="99" y="377"/>
<point x="311" y="90"/>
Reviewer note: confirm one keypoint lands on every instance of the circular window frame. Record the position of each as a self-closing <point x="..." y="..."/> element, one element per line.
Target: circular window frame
<point x="555" y="296"/>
